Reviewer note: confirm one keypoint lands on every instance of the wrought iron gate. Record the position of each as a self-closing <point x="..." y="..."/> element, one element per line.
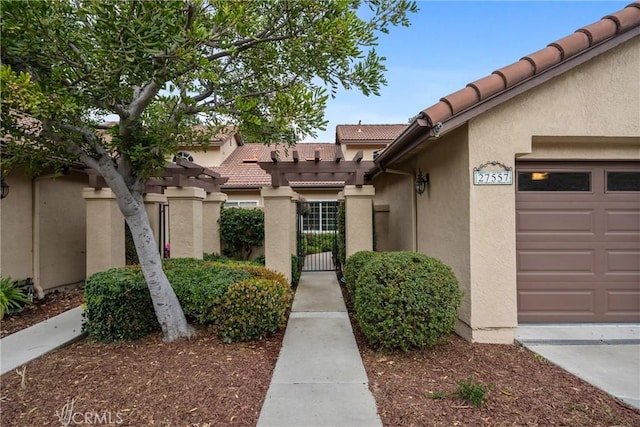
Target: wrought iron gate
<point x="318" y="235"/>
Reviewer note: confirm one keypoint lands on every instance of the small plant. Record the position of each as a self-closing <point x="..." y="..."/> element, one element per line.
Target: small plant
<point x="12" y="296"/>
<point x="437" y="395"/>
<point x="473" y="392"/>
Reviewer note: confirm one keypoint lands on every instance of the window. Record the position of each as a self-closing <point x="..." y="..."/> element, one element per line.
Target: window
<point x="241" y="203"/>
<point x="322" y="217"/>
<point x="182" y="155"/>
<point x="554" y="181"/>
<point x="623" y="181"/>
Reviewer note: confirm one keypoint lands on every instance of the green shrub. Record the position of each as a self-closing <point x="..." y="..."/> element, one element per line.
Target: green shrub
<point x="241" y="230"/>
<point x="315" y="243"/>
<point x="12" y="295"/>
<point x="296" y="269"/>
<point x="200" y="285"/>
<point x="406" y="300"/>
<point x="354" y="266"/>
<point x="118" y="306"/>
<point x="473" y="392"/>
<point x="215" y="258"/>
<point x="253" y="309"/>
<point x="342" y="234"/>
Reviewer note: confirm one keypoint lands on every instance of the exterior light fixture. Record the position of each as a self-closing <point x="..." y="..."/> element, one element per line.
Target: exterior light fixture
<point x="421" y="182"/>
<point x="5" y="188"/>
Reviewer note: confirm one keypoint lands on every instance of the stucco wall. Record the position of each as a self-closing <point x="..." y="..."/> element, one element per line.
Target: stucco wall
<point x="60" y="230"/>
<point x="590" y="112"/>
<point x="443" y="209"/>
<point x="396" y="191"/>
<point x="16" y="228"/>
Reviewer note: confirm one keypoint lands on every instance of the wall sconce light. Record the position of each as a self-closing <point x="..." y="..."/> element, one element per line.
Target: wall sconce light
<point x="421" y="182"/>
<point x="5" y="188"/>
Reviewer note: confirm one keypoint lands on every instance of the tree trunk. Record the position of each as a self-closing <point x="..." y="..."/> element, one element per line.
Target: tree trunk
<point x="165" y="303"/>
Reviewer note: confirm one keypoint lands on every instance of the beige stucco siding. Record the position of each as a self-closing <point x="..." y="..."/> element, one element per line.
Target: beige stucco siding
<point x="395" y="191"/>
<point x="443" y="210"/>
<point x="565" y="117"/>
<point x="16" y="236"/>
<point x="60" y="230"/>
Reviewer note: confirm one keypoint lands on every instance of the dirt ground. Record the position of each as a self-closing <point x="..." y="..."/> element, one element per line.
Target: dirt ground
<point x="204" y="382"/>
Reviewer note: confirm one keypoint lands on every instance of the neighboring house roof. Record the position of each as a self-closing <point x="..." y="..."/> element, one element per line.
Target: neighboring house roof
<point x="243" y="171"/>
<point x="368" y="134"/>
<point x="505" y="83"/>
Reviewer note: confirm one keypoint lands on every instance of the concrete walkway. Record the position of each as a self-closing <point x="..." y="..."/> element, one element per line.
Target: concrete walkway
<point x="29" y="344"/>
<point x="319" y="378"/>
<point x="604" y="355"/>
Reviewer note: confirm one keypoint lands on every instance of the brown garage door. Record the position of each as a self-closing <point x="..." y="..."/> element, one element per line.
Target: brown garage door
<point x="578" y="241"/>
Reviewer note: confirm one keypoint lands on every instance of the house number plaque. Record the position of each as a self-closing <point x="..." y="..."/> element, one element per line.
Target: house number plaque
<point x="492" y="177"/>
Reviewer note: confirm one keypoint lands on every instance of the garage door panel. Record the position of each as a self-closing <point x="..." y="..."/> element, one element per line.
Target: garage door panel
<point x="555" y="221"/>
<point x="554" y="262"/>
<point x="625" y="262"/>
<point x="623" y="222"/>
<point x="623" y="301"/>
<point x="578" y="253"/>
<point x="577" y="301"/>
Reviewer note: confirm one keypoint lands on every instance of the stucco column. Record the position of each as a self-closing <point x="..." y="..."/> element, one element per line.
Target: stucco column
<point x="105" y="230"/>
<point x="185" y="221"/>
<point x="359" y="218"/>
<point x="279" y="226"/>
<point x="152" y="202"/>
<point x="210" y="228"/>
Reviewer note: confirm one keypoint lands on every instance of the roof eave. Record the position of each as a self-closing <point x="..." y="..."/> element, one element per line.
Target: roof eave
<point x="421" y="129"/>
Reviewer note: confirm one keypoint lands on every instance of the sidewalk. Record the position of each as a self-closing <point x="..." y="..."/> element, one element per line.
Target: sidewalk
<point x="319" y="378"/>
<point x="29" y="344"/>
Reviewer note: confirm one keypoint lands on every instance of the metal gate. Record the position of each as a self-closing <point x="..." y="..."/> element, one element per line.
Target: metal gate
<point x="318" y="235"/>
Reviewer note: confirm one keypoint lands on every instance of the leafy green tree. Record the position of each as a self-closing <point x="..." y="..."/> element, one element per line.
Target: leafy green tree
<point x="265" y="67"/>
<point x="241" y="230"/>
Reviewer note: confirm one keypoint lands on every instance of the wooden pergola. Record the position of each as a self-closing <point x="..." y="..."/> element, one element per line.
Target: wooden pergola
<point x="314" y="170"/>
<point x="182" y="173"/>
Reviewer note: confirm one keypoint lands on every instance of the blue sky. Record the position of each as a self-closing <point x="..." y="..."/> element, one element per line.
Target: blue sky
<point x="452" y="43"/>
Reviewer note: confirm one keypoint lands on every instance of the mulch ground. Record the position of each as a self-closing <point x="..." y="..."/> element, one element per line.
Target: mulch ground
<point x="204" y="382"/>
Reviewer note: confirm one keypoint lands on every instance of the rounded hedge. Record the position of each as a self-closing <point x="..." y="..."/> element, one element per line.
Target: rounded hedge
<point x="253" y="309"/>
<point x="406" y="300"/>
<point x="118" y="306"/>
<point x="353" y="267"/>
<point x="200" y="285"/>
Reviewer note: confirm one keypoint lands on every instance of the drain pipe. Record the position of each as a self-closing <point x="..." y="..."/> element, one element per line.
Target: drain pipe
<point x="414" y="207"/>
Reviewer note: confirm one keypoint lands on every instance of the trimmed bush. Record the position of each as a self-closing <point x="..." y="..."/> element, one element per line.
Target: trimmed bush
<point x="241" y="230"/>
<point x="118" y="306"/>
<point x="253" y="309"/>
<point x="200" y="285"/>
<point x="406" y="300"/>
<point x="354" y="266"/>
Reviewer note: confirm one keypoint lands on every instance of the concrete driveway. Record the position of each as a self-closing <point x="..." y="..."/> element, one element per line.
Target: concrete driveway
<point x="604" y="355"/>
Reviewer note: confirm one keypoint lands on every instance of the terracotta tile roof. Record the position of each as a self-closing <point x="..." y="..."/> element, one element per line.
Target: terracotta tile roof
<point x="504" y="83"/>
<point x="534" y="64"/>
<point x="241" y="167"/>
<point x="360" y="133"/>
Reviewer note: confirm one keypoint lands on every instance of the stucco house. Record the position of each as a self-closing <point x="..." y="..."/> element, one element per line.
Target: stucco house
<point x="533" y="193"/>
